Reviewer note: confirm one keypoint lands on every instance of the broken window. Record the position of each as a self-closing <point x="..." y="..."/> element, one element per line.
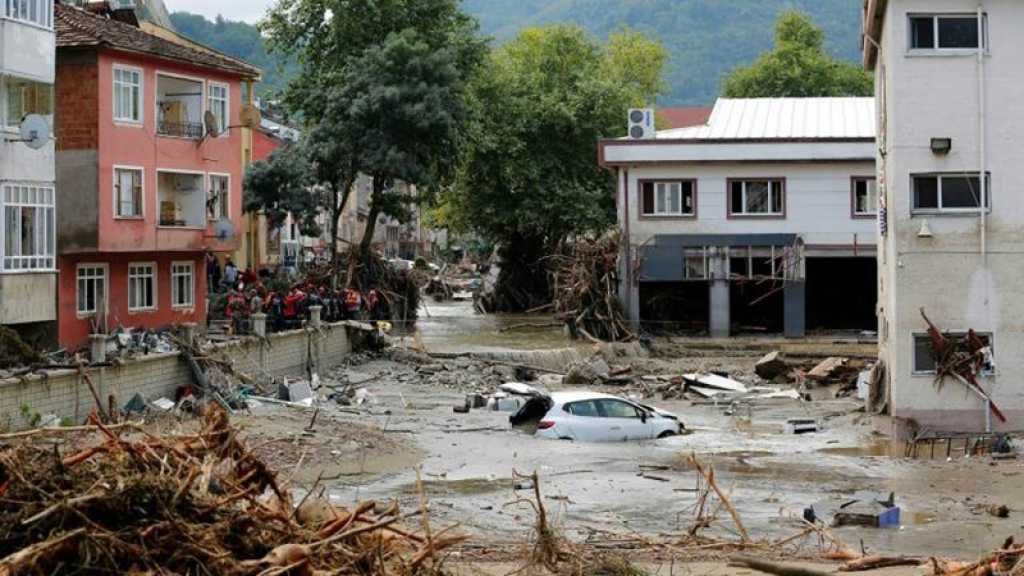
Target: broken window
<point x="946" y="32"/>
<point x="949" y="192"/>
<point x="924" y="360"/>
<point x="757" y="198"/>
<point x="675" y="198"/>
<point x="865" y="197"/>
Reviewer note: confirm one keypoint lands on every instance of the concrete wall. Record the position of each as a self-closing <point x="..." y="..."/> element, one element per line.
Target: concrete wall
<point x="26" y="50"/>
<point x="66" y="394"/>
<point x="936" y="95"/>
<point x="28" y="297"/>
<point x="77" y="207"/>
<point x="818" y="202"/>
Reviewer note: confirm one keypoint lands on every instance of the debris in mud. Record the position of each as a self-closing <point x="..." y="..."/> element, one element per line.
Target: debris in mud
<point x="586" y="283"/>
<point x="771" y="366"/>
<point x="135" y="502"/>
<point x="1007" y="560"/>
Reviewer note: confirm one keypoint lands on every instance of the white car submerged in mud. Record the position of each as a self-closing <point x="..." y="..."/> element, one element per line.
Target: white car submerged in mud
<point x="594" y="417"/>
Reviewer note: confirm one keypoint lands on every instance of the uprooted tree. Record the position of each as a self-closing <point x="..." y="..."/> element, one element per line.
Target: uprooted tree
<point x="527" y="179"/>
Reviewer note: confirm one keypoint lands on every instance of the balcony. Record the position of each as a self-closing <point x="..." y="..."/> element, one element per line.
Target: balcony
<point x="182" y="200"/>
<point x="179" y="107"/>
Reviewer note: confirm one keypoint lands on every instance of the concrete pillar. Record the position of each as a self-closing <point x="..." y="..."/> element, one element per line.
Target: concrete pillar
<point x="795" y="309"/>
<point x="259" y="324"/>
<point x="314" y="316"/>
<point x="98" y="347"/>
<point x="719" y="320"/>
<point x="188" y="332"/>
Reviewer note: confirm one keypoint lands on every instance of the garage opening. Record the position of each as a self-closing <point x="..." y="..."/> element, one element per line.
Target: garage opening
<point x="674" y="307"/>
<point x="841" y="293"/>
<point x="756" y="293"/>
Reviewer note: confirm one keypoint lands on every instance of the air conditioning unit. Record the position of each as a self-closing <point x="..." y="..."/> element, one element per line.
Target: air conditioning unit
<point x="641" y="123"/>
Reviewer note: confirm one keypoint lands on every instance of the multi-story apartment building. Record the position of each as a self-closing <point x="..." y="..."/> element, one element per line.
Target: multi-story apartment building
<point x="760" y="219"/>
<point x="149" y="171"/>
<point x="950" y="90"/>
<point x="28" y="269"/>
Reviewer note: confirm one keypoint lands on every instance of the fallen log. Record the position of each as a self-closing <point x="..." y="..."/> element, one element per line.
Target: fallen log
<point x="875" y="562"/>
<point x="776" y="568"/>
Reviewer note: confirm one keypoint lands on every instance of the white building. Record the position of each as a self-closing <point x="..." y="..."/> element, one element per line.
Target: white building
<point x="950" y="87"/>
<point x="762" y="219"/>
<point x="27" y="261"/>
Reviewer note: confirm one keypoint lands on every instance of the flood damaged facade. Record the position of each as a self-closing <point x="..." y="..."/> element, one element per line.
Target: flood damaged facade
<point x="948" y="81"/>
<point x="149" y="172"/>
<point x="760" y="220"/>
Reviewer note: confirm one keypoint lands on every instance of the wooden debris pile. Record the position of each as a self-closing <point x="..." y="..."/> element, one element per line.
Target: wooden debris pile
<point x="1008" y="560"/>
<point x="963" y="358"/>
<point x="136" y="503"/>
<point x="586" y="287"/>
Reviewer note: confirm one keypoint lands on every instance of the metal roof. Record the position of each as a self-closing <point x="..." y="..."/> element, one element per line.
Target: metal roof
<point x="783" y="119"/>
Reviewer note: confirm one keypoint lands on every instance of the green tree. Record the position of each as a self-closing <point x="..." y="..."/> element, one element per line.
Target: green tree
<point x="798" y="66"/>
<point x="528" y="178"/>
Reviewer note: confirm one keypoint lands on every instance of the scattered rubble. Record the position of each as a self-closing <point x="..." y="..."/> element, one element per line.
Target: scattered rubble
<point x="771" y="366"/>
<point x="586" y="290"/>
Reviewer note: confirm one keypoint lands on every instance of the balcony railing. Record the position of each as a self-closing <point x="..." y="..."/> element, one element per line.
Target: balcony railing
<point x="192" y="130"/>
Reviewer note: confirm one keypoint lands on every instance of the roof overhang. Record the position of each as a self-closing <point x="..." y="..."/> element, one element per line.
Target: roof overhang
<point x="633" y="152"/>
<point x="874" y="18"/>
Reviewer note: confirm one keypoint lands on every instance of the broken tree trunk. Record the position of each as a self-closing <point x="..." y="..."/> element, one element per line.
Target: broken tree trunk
<point x="773" y="567"/>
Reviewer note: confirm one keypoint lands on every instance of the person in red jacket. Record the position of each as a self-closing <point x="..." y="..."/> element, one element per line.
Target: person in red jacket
<point x="292" y="302"/>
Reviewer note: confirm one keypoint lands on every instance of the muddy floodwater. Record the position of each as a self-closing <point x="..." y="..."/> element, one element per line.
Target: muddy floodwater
<point x="468" y="461"/>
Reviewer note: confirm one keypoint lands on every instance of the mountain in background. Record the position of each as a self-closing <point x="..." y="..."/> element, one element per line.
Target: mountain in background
<point x="705" y="38"/>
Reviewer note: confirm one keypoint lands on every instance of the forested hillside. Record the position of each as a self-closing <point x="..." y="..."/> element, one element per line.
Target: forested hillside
<point x="705" y="38"/>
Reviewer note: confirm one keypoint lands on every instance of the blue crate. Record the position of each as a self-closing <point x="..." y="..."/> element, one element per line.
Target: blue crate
<point x="890" y="518"/>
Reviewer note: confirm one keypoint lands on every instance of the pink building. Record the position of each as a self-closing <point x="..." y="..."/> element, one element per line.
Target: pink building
<point x="149" y="171"/>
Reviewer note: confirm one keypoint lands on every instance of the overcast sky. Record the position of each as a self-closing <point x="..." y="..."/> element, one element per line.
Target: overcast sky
<point x="248" y="10"/>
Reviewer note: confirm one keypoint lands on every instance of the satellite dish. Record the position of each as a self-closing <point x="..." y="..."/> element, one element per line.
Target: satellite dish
<point x="224" y="229"/>
<point x="212" y="126"/>
<point x="35" y="131"/>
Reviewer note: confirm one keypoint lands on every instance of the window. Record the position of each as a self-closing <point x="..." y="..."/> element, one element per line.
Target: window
<point x="128" y="192"/>
<point x="141" y="287"/>
<point x="127" y="94"/>
<point x="39" y="12"/>
<point x="217" y="102"/>
<point x="616" y="409"/>
<point x="757" y="198"/>
<point x="92" y="288"/>
<point x="182" y="285"/>
<point x="669" y="198"/>
<point x="946" y="32"/>
<point x="695" y="263"/>
<point x="24" y="97"/>
<point x="865" y="197"/>
<point x="218" y="202"/>
<point x="586" y="409"/>
<point x="924" y="362"/>
<point x="948" y="193"/>
<point x="29" y="236"/>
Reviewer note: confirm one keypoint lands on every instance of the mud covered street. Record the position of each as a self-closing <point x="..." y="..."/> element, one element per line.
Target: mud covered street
<point x="618" y="493"/>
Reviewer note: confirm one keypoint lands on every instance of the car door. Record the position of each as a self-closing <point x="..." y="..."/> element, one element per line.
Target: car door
<point x="623" y="420"/>
<point x="584" y="421"/>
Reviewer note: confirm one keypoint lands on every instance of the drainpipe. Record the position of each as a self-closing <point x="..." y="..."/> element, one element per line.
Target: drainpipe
<point x="982" y="158"/>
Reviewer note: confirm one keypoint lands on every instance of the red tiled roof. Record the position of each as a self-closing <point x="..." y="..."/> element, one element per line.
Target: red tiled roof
<point x="684" y="117"/>
<point x="77" y="28"/>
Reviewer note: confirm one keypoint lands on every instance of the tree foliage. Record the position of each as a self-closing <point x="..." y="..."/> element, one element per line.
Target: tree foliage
<point x="798" y="66"/>
<point x="540" y="107"/>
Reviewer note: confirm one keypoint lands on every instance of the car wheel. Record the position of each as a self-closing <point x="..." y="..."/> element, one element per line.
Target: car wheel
<point x="666" y="434"/>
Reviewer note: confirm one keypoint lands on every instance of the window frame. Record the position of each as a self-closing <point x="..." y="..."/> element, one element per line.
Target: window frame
<point x="46" y="14"/>
<point x="122" y="120"/>
<point x="940" y="210"/>
<point x="667" y="215"/>
<point x="935" y="49"/>
<point x="12" y="124"/>
<point x="142" y="191"/>
<point x="730" y="214"/>
<point x="915" y="370"/>
<point x="854" y="180"/>
<point x="225" y="206"/>
<point x="223" y="123"/>
<point x="154" y="274"/>
<point x="105" y="277"/>
<point x="174" y="285"/>
<point x="600" y="403"/>
<point x="42" y="235"/>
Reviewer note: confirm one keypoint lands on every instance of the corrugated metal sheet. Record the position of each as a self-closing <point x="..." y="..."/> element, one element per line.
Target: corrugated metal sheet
<point x="783" y="118"/>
